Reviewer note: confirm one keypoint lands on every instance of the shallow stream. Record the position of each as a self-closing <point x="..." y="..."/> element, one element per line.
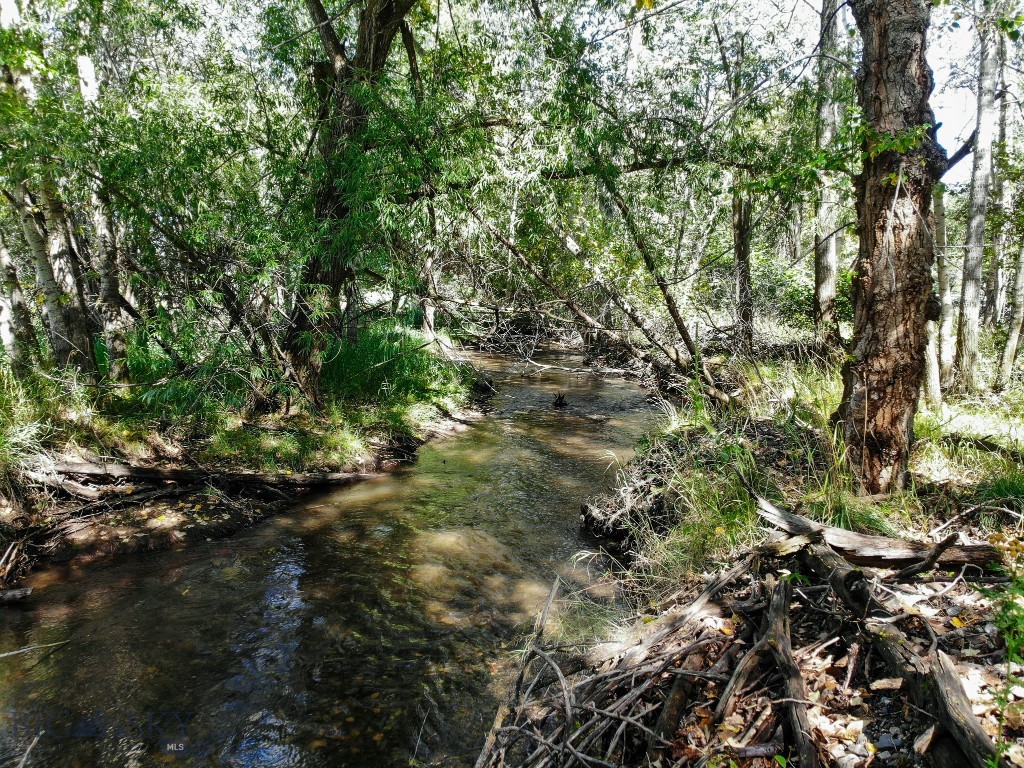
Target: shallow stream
<point x="368" y="627"/>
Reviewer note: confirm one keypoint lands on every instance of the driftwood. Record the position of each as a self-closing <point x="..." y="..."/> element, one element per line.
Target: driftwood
<point x="876" y="551"/>
<point x="695" y="688"/>
<point x="70" y="487"/>
<point x="777" y="640"/>
<point x="178" y="475"/>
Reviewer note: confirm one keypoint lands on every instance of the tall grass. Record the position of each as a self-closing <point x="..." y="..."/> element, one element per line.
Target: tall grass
<point x="394" y="363"/>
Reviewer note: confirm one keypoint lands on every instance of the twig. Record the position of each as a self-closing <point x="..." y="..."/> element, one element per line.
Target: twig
<point x="929" y="562"/>
<point x="24" y="758"/>
<point x="32" y="648"/>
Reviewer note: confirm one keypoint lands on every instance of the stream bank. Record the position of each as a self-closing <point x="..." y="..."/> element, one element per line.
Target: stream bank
<point x="88" y="515"/>
<point x="866" y="636"/>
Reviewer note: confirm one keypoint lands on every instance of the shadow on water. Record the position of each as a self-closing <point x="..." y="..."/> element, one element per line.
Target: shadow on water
<point x="368" y="627"/>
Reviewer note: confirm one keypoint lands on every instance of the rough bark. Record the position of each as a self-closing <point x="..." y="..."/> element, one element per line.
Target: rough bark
<point x="884" y="366"/>
<point x="981" y="175"/>
<point x="826" y="254"/>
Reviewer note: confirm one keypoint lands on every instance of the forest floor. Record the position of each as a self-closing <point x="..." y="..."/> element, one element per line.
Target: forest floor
<point x="778" y="619"/>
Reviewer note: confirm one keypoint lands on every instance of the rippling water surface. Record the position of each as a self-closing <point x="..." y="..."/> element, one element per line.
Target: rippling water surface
<point x="368" y="627"/>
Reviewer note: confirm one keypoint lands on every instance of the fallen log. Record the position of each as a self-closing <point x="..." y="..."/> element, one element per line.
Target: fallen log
<point x="876" y="551"/>
<point x="70" y="487"/>
<point x="933" y="687"/>
<point x="778" y="641"/>
<point x="177" y="475"/>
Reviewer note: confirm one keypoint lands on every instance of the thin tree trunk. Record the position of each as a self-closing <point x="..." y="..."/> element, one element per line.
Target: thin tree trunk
<point x="970" y="289"/>
<point x="1012" y="346"/>
<point x="826" y="255"/>
<point x="884" y="366"/>
<point x="16" y="332"/>
<point x="741" y="233"/>
<point x="1002" y="201"/>
<point x="110" y="302"/>
<point x="428" y="302"/>
<point x="947" y="314"/>
<point x="932" y="375"/>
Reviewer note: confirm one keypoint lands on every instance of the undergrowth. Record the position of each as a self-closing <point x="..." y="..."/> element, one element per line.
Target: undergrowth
<point x="386" y="385"/>
<point x="682" y="506"/>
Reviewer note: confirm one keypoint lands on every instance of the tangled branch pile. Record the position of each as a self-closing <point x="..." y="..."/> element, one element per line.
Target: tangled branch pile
<point x="794" y="656"/>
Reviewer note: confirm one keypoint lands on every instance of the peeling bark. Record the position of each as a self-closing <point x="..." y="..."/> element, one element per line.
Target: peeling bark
<point x="883" y="372"/>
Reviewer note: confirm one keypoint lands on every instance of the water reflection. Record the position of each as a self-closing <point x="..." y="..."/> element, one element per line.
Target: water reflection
<point x="364" y="628"/>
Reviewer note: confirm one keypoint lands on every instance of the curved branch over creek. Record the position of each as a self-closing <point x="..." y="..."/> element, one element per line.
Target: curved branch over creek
<point x="365" y="627"/>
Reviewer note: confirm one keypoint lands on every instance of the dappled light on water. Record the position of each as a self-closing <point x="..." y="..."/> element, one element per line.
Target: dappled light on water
<point x="366" y="627"/>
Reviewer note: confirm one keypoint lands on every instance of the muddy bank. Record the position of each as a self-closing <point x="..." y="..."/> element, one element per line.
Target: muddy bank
<point x="136" y="515"/>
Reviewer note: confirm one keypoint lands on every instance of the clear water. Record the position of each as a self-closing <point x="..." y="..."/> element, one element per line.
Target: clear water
<point x="368" y="627"/>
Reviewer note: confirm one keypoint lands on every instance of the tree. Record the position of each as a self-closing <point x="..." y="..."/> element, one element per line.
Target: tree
<point x="16" y="333"/>
<point x="981" y="176"/>
<point x="36" y="200"/>
<point x="330" y="274"/>
<point x="892" y="285"/>
<point x="826" y="256"/>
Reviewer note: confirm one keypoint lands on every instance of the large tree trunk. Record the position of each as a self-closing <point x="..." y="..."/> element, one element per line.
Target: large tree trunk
<point x="826" y="255"/>
<point x="981" y="174"/>
<point x="947" y="314"/>
<point x="883" y="372"/>
<point x="16" y="332"/>
<point x="330" y="273"/>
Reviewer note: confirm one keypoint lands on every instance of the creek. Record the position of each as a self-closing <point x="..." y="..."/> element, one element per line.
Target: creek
<point x="371" y="626"/>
